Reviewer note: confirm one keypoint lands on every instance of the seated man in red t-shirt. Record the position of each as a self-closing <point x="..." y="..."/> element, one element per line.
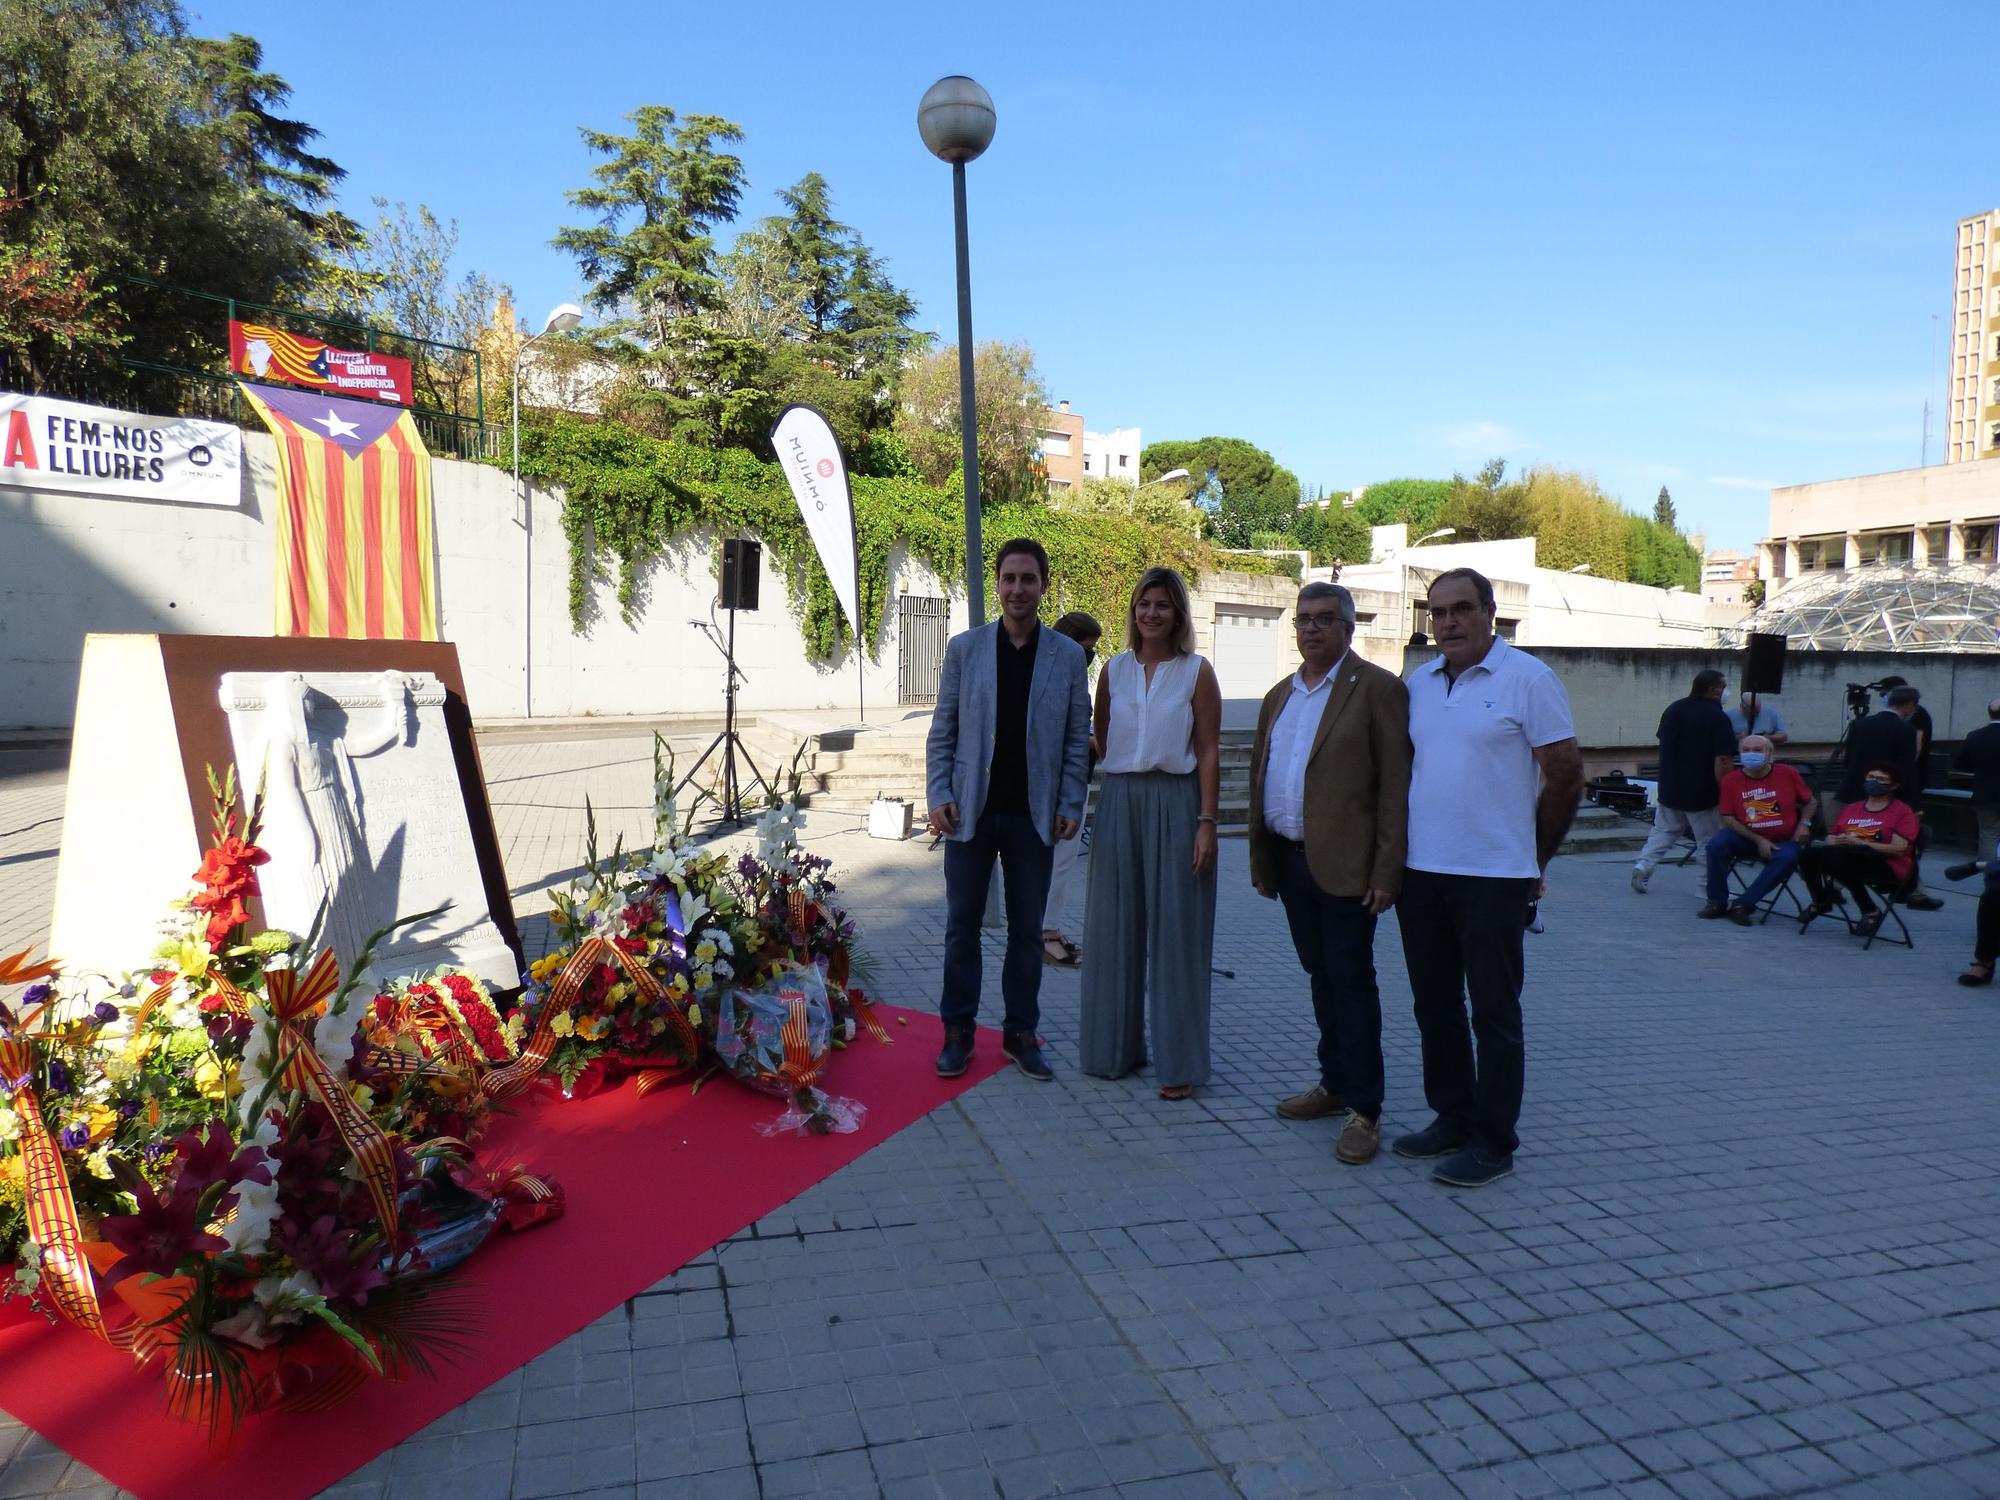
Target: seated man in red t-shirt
<point x="1766" y="816"/>
<point x="1872" y="846"/>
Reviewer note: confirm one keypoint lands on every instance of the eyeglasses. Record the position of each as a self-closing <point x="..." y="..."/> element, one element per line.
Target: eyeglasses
<point x="1317" y="622"/>
<point x="1464" y="609"/>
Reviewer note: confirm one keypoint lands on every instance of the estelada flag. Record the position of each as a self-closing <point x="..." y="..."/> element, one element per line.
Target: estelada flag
<point x="276" y="354"/>
<point x="356" y="549"/>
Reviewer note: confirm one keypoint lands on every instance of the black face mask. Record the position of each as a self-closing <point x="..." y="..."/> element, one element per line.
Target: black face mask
<point x="1875" y="788"/>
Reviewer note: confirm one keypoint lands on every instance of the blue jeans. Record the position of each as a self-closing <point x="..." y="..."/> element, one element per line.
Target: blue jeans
<point x="1024" y="875"/>
<point x="1729" y="846"/>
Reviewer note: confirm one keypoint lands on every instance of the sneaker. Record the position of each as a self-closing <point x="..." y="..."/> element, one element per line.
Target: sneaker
<point x="1638" y="881"/>
<point x="1026" y="1054"/>
<point x="1473" y="1168"/>
<point x="1360" y="1139"/>
<point x="1435" y="1140"/>
<point x="1712" y="910"/>
<point x="956" y="1055"/>
<point x="1924" y="903"/>
<point x="1740" y="915"/>
<point x="1316" y="1103"/>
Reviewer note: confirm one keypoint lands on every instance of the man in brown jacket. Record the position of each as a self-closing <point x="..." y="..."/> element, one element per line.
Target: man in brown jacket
<point x="1329" y="806"/>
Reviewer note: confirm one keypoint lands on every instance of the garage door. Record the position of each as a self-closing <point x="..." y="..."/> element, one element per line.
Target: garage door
<point x="1252" y="649"/>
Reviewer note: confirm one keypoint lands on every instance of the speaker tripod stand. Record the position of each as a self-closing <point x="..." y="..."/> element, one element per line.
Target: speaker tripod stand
<point x="728" y="795"/>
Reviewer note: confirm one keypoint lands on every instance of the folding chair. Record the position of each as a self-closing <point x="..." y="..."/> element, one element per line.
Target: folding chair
<point x="1739" y="882"/>
<point x="1890" y="910"/>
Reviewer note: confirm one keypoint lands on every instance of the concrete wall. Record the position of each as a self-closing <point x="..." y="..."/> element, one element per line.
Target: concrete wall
<point x="1616" y="696"/>
<point x="71" y="565"/>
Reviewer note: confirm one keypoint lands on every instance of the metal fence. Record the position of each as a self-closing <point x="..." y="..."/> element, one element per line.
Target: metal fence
<point x="171" y="389"/>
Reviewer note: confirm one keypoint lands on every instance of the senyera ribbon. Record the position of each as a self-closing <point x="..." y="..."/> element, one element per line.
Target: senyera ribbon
<point x="502" y="1083"/>
<point x="295" y="998"/>
<point x="52" y="1222"/>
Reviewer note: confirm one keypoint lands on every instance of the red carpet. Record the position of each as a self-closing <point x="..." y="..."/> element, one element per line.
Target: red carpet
<point x="652" y="1183"/>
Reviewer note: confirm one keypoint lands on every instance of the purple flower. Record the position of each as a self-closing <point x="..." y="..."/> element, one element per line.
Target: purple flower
<point x="75" y="1137"/>
<point x="128" y="1109"/>
<point x="59" y="1079"/>
<point x="105" y="1012"/>
<point x="36" y="994"/>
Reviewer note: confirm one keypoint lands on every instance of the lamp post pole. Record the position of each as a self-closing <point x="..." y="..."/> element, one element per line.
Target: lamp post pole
<point x="955" y="118"/>
<point x="968" y="413"/>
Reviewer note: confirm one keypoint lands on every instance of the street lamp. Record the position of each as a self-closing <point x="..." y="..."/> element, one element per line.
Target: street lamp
<point x="1433" y="536"/>
<point x="1581" y="568"/>
<point x="565" y="317"/>
<point x="1167" y="478"/>
<point x="955" y="118"/>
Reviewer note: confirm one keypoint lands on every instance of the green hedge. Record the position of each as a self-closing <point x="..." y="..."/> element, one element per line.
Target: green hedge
<point x="628" y="498"/>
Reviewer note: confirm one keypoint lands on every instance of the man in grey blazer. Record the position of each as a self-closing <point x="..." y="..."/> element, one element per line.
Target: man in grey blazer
<point x="1008" y="751"/>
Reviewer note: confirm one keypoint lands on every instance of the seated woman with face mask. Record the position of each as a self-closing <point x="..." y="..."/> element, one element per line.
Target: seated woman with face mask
<point x="1766" y="812"/>
<point x="1870" y="848"/>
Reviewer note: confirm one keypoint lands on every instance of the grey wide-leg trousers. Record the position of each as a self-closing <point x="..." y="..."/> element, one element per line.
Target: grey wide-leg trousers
<point x="1148" y="931"/>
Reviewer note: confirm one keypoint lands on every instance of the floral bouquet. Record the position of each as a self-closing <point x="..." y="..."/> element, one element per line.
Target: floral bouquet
<point x="190" y="1169"/>
<point x="641" y="947"/>
<point x="428" y="1043"/>
<point x="776" y="1037"/>
<point x="801" y="921"/>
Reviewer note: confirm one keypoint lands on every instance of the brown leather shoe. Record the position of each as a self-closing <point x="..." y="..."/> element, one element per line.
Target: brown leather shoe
<point x="1359" y="1140"/>
<point x="1316" y="1103"/>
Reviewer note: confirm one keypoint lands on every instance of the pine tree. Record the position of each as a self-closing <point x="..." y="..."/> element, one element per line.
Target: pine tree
<point x="1663" y="510"/>
<point x="652" y="266"/>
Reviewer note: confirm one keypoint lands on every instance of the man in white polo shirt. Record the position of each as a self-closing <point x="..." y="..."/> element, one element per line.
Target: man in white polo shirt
<point x="1493" y="789"/>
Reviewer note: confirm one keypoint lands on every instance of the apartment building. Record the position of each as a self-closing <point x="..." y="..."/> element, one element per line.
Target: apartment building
<point x="1062" y="447"/>
<point x="1972" y="426"/>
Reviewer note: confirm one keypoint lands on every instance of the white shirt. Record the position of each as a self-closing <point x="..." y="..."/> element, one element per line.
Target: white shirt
<point x="1152" y="724"/>
<point x="1292" y="736"/>
<point x="1474" y="782"/>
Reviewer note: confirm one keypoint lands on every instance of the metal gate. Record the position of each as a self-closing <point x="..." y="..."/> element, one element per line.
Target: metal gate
<point x="921" y="627"/>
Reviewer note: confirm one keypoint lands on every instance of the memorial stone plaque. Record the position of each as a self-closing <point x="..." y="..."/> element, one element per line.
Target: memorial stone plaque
<point x="363" y="817"/>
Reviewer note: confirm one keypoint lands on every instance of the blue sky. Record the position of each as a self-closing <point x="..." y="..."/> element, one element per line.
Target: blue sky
<point x="1698" y="245"/>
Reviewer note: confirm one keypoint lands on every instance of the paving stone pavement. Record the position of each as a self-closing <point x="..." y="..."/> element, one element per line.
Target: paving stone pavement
<point x="1751" y="1247"/>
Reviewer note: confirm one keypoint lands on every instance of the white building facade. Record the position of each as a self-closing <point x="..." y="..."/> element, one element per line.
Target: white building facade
<point x="1113" y="454"/>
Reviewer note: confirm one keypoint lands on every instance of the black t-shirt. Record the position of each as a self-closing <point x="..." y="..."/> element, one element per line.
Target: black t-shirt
<point x="1920" y="721"/>
<point x="1883" y="737"/>
<point x="1007" y="786"/>
<point x="1693" y="731"/>
<point x="1980" y="754"/>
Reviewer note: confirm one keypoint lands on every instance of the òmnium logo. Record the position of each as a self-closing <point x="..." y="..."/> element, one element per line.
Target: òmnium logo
<point x="199" y="456"/>
<point x="825" y="467"/>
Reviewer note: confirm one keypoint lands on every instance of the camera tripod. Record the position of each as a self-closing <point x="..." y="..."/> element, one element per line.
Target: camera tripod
<point x="729" y="786"/>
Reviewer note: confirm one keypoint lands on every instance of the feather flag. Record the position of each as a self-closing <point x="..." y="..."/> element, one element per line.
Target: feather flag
<point x="356" y="550"/>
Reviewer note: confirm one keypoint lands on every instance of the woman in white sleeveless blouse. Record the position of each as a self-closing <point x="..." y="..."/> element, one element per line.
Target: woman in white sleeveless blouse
<point x="1149" y="919"/>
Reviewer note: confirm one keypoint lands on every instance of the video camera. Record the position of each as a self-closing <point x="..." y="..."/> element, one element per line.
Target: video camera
<point x="1857" y="697"/>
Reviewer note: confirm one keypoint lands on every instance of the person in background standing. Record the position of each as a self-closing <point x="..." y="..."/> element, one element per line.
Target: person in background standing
<point x="1979" y="756"/>
<point x="1755" y="713"/>
<point x="1697" y="749"/>
<point x="1005" y="759"/>
<point x="1057" y="949"/>
<point x="1918" y="898"/>
<point x="1494" y="787"/>
<point x="1149" y="919"/>
<point x="1329" y="819"/>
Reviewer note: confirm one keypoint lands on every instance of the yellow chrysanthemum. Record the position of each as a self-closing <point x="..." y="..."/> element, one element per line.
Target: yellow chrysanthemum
<point x="563" y="1025"/>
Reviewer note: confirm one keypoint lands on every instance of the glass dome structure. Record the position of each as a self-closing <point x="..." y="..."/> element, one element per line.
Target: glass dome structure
<point x="1898" y="608"/>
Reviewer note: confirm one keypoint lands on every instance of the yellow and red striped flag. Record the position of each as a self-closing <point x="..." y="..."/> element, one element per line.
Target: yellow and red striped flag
<point x="356" y="549"/>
